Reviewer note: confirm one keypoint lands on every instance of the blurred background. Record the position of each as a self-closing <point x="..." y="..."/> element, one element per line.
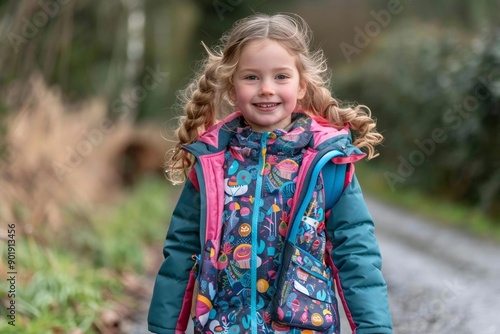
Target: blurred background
<point x="88" y="108"/>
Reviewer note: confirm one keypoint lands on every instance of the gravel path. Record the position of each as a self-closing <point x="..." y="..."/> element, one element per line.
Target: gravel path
<point x="440" y="280"/>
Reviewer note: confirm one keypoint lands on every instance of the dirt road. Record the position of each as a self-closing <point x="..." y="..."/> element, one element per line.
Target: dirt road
<point x="440" y="280"/>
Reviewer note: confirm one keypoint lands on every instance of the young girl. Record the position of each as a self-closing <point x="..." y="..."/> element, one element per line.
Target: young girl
<point x="246" y="176"/>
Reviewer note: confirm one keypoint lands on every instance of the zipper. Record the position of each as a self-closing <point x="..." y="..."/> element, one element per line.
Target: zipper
<point x="255" y="222"/>
<point x="318" y="264"/>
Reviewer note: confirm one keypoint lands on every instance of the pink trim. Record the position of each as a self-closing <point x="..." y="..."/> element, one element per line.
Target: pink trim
<point x="185" y="313"/>
<point x="347" y="311"/>
<point x="320" y="120"/>
<point x="322" y="133"/>
<point x="194" y="179"/>
<point x="211" y="135"/>
<point x="306" y="163"/>
<point x="340" y="291"/>
<point x="348" y="175"/>
<point x="350" y="159"/>
<point x="212" y="165"/>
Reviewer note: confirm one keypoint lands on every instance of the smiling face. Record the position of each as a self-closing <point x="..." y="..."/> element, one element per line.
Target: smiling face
<point x="267" y="85"/>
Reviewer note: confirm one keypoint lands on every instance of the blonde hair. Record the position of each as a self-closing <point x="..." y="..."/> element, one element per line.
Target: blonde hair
<point x="207" y="99"/>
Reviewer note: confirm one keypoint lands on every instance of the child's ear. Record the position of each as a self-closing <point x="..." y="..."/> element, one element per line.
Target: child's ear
<point x="232" y="95"/>
<point x="302" y="90"/>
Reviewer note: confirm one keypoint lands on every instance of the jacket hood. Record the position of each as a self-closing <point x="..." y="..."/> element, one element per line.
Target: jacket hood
<point x="323" y="136"/>
<point x="289" y="141"/>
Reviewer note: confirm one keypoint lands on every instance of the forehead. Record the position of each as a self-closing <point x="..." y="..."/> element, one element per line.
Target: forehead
<point x="266" y="53"/>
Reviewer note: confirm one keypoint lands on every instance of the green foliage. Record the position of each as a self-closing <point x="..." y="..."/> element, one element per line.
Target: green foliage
<point x="435" y="94"/>
<point x="58" y="291"/>
<point x="141" y="220"/>
<point x="66" y="278"/>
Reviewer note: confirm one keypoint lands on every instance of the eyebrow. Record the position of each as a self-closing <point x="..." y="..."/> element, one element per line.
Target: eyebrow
<point x="278" y="69"/>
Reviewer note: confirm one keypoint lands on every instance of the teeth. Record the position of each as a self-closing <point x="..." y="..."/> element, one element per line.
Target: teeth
<point x="266" y="105"/>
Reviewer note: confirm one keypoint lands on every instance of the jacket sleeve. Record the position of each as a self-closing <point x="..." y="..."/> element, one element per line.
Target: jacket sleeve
<point x="171" y="300"/>
<point x="356" y="256"/>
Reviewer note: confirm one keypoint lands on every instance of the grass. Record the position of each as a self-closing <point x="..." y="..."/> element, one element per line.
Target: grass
<point x="67" y="278"/>
<point x="440" y="210"/>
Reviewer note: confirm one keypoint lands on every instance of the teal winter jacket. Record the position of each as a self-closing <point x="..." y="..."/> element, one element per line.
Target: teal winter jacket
<point x="197" y="218"/>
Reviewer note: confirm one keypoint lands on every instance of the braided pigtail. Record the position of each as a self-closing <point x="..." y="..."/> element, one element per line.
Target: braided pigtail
<point x="360" y="122"/>
<point x="318" y="101"/>
<point x="200" y="101"/>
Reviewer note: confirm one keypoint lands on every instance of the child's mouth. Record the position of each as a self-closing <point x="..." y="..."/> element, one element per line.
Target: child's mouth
<point x="266" y="106"/>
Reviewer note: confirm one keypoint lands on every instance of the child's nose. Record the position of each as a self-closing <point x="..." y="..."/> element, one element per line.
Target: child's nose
<point x="266" y="88"/>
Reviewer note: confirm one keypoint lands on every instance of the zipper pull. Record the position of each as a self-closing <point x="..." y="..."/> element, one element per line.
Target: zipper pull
<point x="263" y="150"/>
<point x="196" y="258"/>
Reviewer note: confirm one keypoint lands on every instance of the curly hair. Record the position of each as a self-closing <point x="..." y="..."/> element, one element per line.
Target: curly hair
<point x="207" y="98"/>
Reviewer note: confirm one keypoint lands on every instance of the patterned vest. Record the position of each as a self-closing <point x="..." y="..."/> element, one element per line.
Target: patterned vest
<point x="259" y="185"/>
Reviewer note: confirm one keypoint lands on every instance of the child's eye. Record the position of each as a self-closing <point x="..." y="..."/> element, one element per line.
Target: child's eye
<point x="281" y="77"/>
<point x="251" y="77"/>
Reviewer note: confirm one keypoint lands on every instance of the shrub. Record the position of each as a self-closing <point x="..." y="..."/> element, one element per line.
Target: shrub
<point x="436" y="95"/>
